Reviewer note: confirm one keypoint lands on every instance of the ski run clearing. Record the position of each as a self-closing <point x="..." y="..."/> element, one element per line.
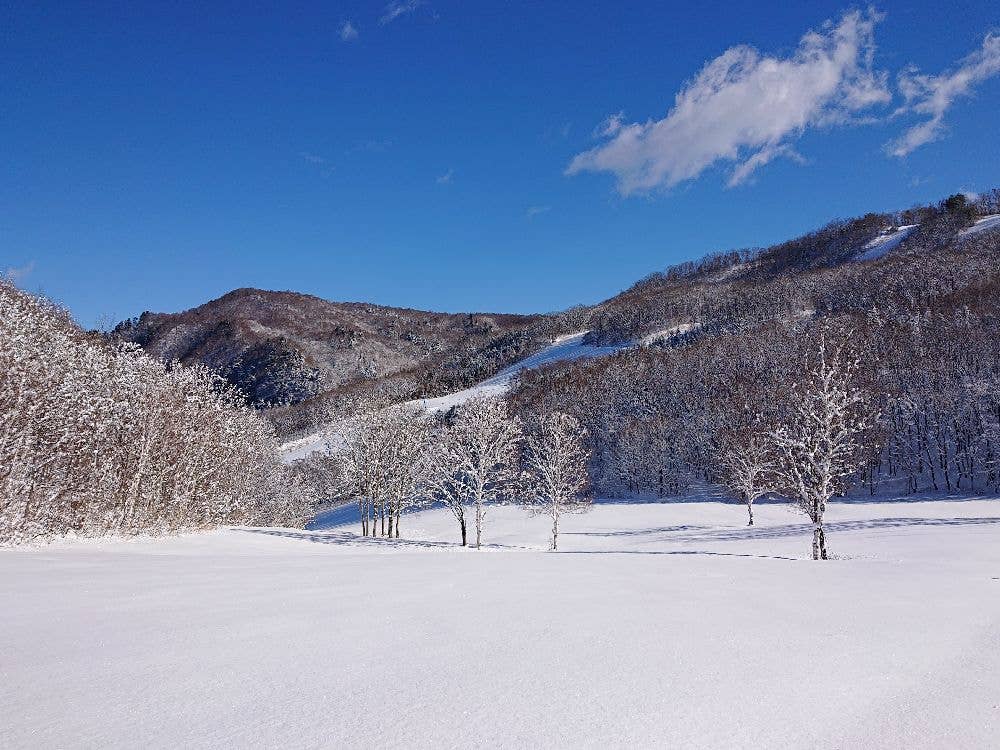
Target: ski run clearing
<point x="563" y="349"/>
<point x="667" y="625"/>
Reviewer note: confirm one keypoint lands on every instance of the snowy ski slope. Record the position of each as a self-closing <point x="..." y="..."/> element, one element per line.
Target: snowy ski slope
<point x="563" y="348"/>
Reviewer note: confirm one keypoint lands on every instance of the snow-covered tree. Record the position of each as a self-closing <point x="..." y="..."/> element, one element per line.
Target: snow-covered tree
<point x="98" y="439"/>
<point x="748" y="464"/>
<point x="383" y="459"/>
<point x="820" y="444"/>
<point x="555" y="461"/>
<point x="474" y="462"/>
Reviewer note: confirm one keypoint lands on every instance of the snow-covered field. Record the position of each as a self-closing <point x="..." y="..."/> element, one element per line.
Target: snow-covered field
<point x="658" y="625"/>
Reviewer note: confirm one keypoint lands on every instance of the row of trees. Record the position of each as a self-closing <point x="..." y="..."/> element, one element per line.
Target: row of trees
<point x="394" y="458"/>
<point x="96" y="439"/>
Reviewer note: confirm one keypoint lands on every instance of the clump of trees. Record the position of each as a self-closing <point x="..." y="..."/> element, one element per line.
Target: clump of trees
<point x="395" y="457"/>
<point x="98" y="439"/>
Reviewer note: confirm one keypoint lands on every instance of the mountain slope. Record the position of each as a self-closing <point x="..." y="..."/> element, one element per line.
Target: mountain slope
<point x="285" y="348"/>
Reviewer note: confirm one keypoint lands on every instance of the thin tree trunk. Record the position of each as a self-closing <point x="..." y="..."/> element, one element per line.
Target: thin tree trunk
<point x="462" y="524"/>
<point x="750" y="511"/>
<point x="822" y="542"/>
<point x="399" y="513"/>
<point x="555" y="532"/>
<point x="815" y="541"/>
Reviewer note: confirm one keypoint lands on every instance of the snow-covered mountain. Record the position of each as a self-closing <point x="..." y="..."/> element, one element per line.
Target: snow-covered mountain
<point x="308" y="359"/>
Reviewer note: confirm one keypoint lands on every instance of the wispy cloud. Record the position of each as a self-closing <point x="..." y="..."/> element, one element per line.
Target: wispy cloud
<point x="325" y="165"/>
<point x="534" y="211"/>
<point x="446" y="178"/>
<point x="18" y="274"/>
<point x="745" y="108"/>
<point x="348" y="32"/>
<point x="312" y="158"/>
<point x="933" y="95"/>
<point x="398" y="8"/>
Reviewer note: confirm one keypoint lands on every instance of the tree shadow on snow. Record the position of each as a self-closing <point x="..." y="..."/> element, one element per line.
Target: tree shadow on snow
<point x="748" y="533"/>
<point x="353" y="539"/>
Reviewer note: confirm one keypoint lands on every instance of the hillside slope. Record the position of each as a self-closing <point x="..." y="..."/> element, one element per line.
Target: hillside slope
<point x="285" y="348"/>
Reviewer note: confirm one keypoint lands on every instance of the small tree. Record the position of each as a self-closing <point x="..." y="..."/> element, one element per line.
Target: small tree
<point x="749" y="464"/>
<point x="819" y="445"/>
<point x="474" y="462"/>
<point x="555" y="461"/>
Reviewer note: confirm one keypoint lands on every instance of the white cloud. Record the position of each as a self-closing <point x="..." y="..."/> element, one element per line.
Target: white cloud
<point x="348" y="32"/>
<point x="534" y="211"/>
<point x="445" y="179"/>
<point x="19" y="274"/>
<point x="398" y="8"/>
<point x="934" y="95"/>
<point x="745" y="108"/>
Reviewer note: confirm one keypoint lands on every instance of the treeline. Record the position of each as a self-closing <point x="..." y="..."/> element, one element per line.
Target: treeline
<point x="98" y="439"/>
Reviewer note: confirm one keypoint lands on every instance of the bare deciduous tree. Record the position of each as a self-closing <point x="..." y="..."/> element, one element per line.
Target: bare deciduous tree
<point x="474" y="462"/>
<point x="555" y="460"/>
<point x="820" y="444"/>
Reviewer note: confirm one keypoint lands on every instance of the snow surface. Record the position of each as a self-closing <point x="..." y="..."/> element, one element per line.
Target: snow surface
<point x="562" y="349"/>
<point x="658" y="625"/>
<point x="885" y="243"/>
<point x="987" y="222"/>
<point x="651" y="338"/>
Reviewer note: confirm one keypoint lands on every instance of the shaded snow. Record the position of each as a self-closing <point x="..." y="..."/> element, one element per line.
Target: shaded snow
<point x="659" y="625"/>
<point x="885" y="243"/>
<point x="677" y="330"/>
<point x="987" y="222"/>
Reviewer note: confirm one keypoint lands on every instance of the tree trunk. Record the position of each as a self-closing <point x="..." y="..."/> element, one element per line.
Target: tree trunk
<point x="822" y="542"/>
<point x="363" y="512"/>
<point x="750" y="511"/>
<point x="815" y="541"/>
<point x="479" y="525"/>
<point x="399" y="512"/>
<point x="555" y="532"/>
<point x="462" y="524"/>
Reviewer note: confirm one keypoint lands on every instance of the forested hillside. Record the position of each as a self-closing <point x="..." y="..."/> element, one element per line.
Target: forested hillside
<point x="302" y="357"/>
<point x="922" y="323"/>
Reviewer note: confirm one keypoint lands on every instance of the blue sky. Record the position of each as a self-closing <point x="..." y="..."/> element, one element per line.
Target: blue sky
<point x="507" y="156"/>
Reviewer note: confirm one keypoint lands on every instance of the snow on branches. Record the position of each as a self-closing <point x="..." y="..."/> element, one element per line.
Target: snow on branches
<point x="820" y="446"/>
<point x="473" y="463"/>
<point x="555" y="460"/>
<point x="96" y="439"/>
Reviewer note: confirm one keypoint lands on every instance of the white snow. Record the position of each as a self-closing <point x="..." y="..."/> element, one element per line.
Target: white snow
<point x="987" y="222"/>
<point x="885" y="243"/>
<point x="676" y="330"/>
<point x="563" y="348"/>
<point x="659" y="625"/>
